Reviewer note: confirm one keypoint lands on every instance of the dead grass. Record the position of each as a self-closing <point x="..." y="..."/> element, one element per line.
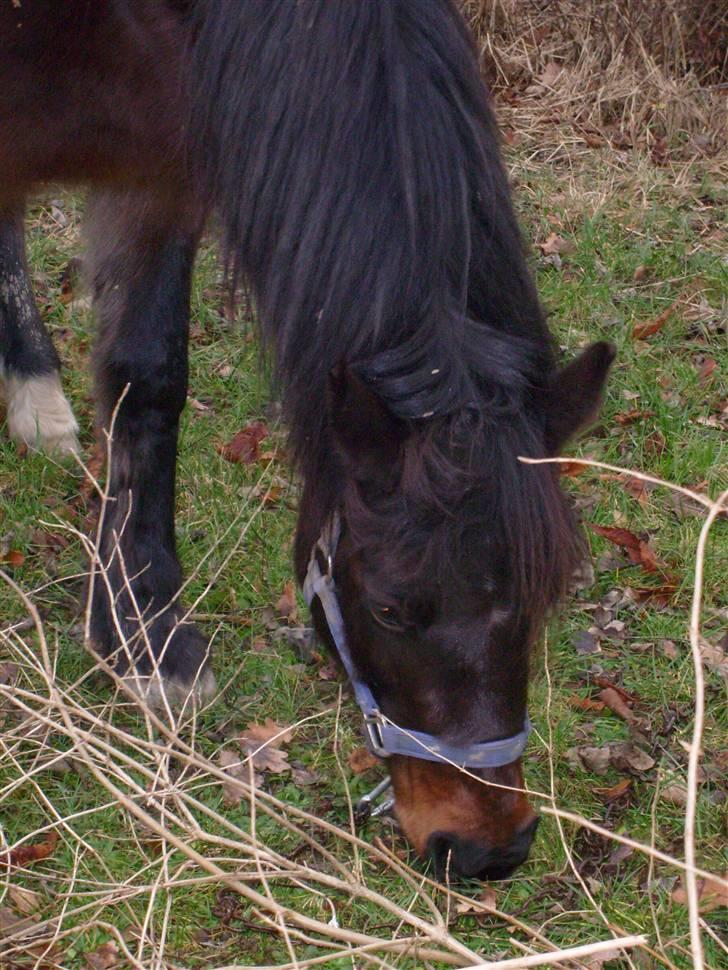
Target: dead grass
<point x="632" y="73"/>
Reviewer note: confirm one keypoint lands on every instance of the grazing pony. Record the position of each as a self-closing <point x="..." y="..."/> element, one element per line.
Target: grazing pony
<point x="348" y="151"/>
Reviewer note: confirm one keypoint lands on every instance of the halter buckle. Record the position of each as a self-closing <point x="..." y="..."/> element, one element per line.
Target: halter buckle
<point x="373" y="724"/>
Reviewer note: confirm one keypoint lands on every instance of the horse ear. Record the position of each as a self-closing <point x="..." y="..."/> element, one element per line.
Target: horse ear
<point x="575" y="394"/>
<point x="366" y="434"/>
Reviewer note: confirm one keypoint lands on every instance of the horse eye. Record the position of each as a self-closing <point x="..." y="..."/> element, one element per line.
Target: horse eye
<point x="387" y="618"/>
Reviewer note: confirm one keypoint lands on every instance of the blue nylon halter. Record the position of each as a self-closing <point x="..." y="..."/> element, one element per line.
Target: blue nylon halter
<point x="384" y="737"/>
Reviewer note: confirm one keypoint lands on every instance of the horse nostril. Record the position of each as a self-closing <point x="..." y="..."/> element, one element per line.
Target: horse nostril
<point x="454" y="857"/>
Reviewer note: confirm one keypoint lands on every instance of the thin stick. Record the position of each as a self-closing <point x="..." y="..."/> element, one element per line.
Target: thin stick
<point x="702" y="499"/>
<point x="696" y="943"/>
<point x="571" y="953"/>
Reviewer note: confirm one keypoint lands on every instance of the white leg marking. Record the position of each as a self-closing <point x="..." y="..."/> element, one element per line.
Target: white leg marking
<point x="39" y="414"/>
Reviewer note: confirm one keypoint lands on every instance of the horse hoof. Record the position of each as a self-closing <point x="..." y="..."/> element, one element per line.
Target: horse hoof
<point x="39" y="414"/>
<point x="180" y="680"/>
<point x="160" y="693"/>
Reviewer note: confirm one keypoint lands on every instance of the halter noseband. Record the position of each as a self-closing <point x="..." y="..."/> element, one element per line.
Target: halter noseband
<point x="384" y="738"/>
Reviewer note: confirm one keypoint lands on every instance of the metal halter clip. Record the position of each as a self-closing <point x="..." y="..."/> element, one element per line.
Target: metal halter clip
<point x="373" y="724"/>
<point x="367" y="808"/>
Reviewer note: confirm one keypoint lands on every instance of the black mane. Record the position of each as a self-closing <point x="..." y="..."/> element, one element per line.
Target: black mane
<point x="388" y="240"/>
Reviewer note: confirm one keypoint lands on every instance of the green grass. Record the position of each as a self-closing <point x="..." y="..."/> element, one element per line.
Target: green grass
<point x="616" y="223"/>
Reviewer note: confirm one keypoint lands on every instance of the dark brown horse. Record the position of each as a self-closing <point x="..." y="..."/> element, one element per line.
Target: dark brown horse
<point x="349" y="154"/>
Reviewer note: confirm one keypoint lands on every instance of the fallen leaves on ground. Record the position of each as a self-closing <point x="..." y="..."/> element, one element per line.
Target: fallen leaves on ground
<point x="483" y="904"/>
<point x="238" y="770"/>
<point x="585" y="704"/>
<point x="647" y="328"/>
<point x="35" y="948"/>
<point x="571" y="469"/>
<point x="25" y="901"/>
<point x="625" y="418"/>
<point x="615" y="792"/>
<point x="104" y="957"/>
<point x="286" y="605"/>
<point x="361" y="759"/>
<point x="622" y="755"/>
<point x="23" y="855"/>
<point x="711" y="894"/>
<point x="585" y="643"/>
<point x="260" y="747"/>
<point x="13" y="557"/>
<point x="263" y="742"/>
<point x="675" y="794"/>
<point x="714" y="656"/>
<point x="641" y="553"/>
<point x="705" y="370"/>
<point x="547" y="79"/>
<point x="243" y="447"/>
<point x="612" y="699"/>
<point x="556" y="245"/>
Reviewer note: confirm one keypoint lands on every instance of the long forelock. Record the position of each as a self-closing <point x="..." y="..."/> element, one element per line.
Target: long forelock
<point x="474" y="515"/>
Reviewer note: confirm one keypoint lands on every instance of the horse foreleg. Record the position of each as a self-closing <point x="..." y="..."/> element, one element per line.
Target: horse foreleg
<point x="38" y="413"/>
<point x="141" y="271"/>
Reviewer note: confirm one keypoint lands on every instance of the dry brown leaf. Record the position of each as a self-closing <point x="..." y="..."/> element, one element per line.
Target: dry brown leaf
<point x="639" y="551"/>
<point x="556" y="244"/>
<point x="627" y="756"/>
<point x="286" y="605"/>
<point x="585" y="703"/>
<point x="638" y="489"/>
<point x="361" y="760"/>
<point x="590" y="757"/>
<point x="705" y="371"/>
<point x="570" y="469"/>
<point x="602" y="680"/>
<point x="13" y="557"/>
<point x="8" y="673"/>
<point x="655" y="443"/>
<point x="585" y="643"/>
<point x="620" y="537"/>
<point x="626" y="418"/>
<point x="659" y="596"/>
<point x="485" y="902"/>
<point x="595" y="961"/>
<point x="329" y="671"/>
<point x="263" y="742"/>
<point x="25" y="901"/>
<point x="648" y="327"/>
<point x="104" y="957"/>
<point x="675" y="794"/>
<point x="546" y="79"/>
<point x="303" y="776"/>
<point x="621" y="755"/>
<point x="237" y="770"/>
<point x="616" y="791"/>
<point x="711" y="894"/>
<point x="244" y="446"/>
<point x="714" y="657"/>
<point x="267" y="733"/>
<point x="23" y="855"/>
<point x="616" y="704"/>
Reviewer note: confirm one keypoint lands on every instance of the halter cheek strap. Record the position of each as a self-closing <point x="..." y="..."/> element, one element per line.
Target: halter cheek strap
<point x="384" y="737"/>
